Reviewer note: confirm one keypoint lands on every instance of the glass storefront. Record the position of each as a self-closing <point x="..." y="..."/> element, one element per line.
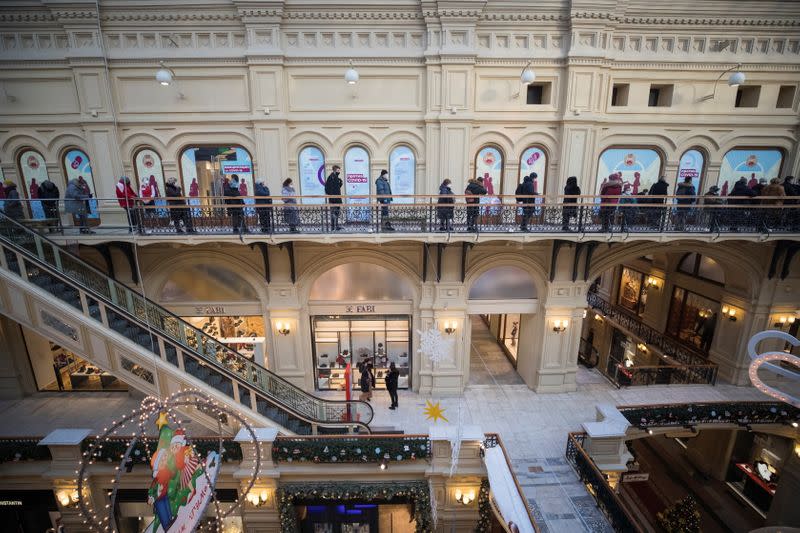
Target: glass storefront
<point x="245" y="334"/>
<point x="692" y="318"/>
<point x="632" y="290"/>
<point x="380" y="340"/>
<point x="506" y="330"/>
<point x="69" y="372"/>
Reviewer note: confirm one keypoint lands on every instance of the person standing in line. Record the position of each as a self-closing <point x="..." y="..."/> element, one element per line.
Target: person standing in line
<point x="773" y="216"/>
<point x="627" y="207"/>
<point x="384" y="191"/>
<point x="571" y="193"/>
<point x="127" y="200"/>
<point x="12" y="206"/>
<point x="659" y="188"/>
<point x="474" y="189"/>
<point x="333" y="188"/>
<point x="444" y="211"/>
<point x="264" y="213"/>
<point x="392" y="377"/>
<point x="609" y="198"/>
<point x="176" y="203"/>
<point x="76" y="202"/>
<point x="232" y="198"/>
<point x="290" y="215"/>
<point x="741" y="194"/>
<point x="525" y="196"/>
<point x="792" y="191"/>
<point x="687" y="190"/>
<point x="712" y="199"/>
<point x="48" y="192"/>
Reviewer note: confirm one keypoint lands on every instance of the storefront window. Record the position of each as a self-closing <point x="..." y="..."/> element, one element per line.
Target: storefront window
<point x="640" y="167"/>
<point x="69" y="372"/>
<point x="534" y="160"/>
<point x="402" y="173"/>
<point x="205" y="168"/>
<point x="311" y="167"/>
<point x="632" y="290"/>
<point x="377" y="340"/>
<point x="489" y="166"/>
<point x="34" y="171"/>
<point x="244" y="334"/>
<point x="692" y="318"/>
<point x="753" y="165"/>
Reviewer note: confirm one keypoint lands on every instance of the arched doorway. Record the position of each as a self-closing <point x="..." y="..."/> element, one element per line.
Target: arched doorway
<point x="360" y="312"/>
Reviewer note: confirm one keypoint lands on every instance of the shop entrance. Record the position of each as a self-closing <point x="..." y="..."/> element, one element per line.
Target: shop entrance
<point x="493" y="350"/>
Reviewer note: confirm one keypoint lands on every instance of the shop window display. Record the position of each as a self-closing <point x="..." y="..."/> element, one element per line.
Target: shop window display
<point x="245" y="334"/>
<point x="73" y="373"/>
<point x="692" y="318"/>
<point x="632" y="290"/>
<point x="340" y="341"/>
<point x="506" y="329"/>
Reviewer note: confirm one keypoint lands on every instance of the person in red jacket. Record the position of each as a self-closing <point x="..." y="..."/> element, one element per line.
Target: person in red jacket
<point x="609" y="198"/>
<point x="127" y="200"/>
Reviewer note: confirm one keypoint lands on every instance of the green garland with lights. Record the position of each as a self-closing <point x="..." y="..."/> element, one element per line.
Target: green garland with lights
<point x="113" y="450"/>
<point x="351" y="450"/>
<point x="417" y="492"/>
<point x="23" y="450"/>
<point x="683" y="517"/>
<point x="484" y="509"/>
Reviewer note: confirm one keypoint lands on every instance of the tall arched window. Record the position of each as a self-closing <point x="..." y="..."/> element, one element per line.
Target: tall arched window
<point x="639" y="167"/>
<point x="534" y="159"/>
<point x="311" y="168"/>
<point x="402" y="172"/>
<point x="489" y="166"/>
<point x="77" y="165"/>
<point x="356" y="181"/>
<point x="148" y="169"/>
<point x="204" y="167"/>
<point x="753" y="165"/>
<point x="692" y="165"/>
<point x="33" y="170"/>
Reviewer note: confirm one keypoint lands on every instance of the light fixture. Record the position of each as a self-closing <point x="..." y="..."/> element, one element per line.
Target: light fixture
<point x="527" y="75"/>
<point x="794" y="424"/>
<point x="383" y="465"/>
<point x="628" y="363"/>
<point x="734" y="80"/>
<point x="649" y="431"/>
<point x="257" y="499"/>
<point x="450" y="326"/>
<point x="652" y="282"/>
<point x="598" y="318"/>
<point x="164" y="75"/>
<point x="642" y="347"/>
<point x="585" y="312"/>
<point x="730" y="312"/>
<point x="782" y="320"/>
<point x="560" y="325"/>
<point x="351" y="74"/>
<point x="282" y="328"/>
<point x="67" y="497"/>
<point x="465" y="497"/>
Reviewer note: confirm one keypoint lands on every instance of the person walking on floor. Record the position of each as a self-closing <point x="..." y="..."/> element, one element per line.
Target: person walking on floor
<point x="290" y="215"/>
<point x="365" y="382"/>
<point x="264" y="213"/>
<point x="127" y="200"/>
<point x="773" y="216"/>
<point x="333" y="188"/>
<point x="444" y="211"/>
<point x="384" y="191"/>
<point x="392" y="377"/>
<point x="626" y="207"/>
<point x="232" y="198"/>
<point x="570" y="209"/>
<point x="177" y="210"/>
<point x="525" y="196"/>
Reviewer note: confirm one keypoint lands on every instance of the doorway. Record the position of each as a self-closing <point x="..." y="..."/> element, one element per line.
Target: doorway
<point x="489" y="359"/>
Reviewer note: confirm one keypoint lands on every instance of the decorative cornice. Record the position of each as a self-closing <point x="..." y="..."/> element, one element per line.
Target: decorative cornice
<point x="352" y="15"/>
<point x="11" y="17"/>
<point x="170" y="16"/>
<point x="708" y="21"/>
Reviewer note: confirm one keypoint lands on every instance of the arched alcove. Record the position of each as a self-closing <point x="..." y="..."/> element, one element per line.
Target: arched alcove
<point x="206" y="283"/>
<point x="360" y="282"/>
<point x="503" y="282"/>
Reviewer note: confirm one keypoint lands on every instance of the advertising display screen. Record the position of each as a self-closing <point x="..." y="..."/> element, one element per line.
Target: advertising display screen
<point x="640" y="167"/>
<point x="402" y="173"/>
<point x="311" y="167"/>
<point x="356" y="182"/>
<point x="753" y="165"/>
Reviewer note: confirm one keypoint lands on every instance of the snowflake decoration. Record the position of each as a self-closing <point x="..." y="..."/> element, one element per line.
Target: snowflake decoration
<point x="434" y="346"/>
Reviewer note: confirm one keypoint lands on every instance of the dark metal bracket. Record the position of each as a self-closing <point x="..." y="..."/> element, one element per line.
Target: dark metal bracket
<point x="289" y="246"/>
<point x="264" y="247"/>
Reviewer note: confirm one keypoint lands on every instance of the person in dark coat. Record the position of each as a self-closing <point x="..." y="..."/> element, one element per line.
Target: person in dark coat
<point x="741" y="194"/>
<point x="264" y="213"/>
<point x="365" y="382"/>
<point x="12" y="206"/>
<point x="76" y="201"/>
<point x="48" y="192"/>
<point x="127" y="199"/>
<point x="445" y="210"/>
<point x="384" y="191"/>
<point x="177" y="212"/>
<point x="688" y="192"/>
<point x="232" y="198"/>
<point x="792" y="191"/>
<point x="391" y="384"/>
<point x="525" y="196"/>
<point x="609" y="198"/>
<point x="333" y="188"/>
<point x="571" y="192"/>
<point x="658" y="189"/>
<point x="474" y="189"/>
<point x="711" y="201"/>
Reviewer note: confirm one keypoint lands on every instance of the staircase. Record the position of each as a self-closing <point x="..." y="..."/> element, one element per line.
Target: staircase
<point x="60" y="296"/>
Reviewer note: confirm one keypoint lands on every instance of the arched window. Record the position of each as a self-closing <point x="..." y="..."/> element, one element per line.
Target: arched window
<point x="147" y="165"/>
<point x="360" y="282"/>
<point x="489" y="166"/>
<point x="753" y="165"/>
<point x="33" y="170"/>
<point x="402" y="173"/>
<point x="534" y="159"/>
<point x="311" y="168"/>
<point x="640" y="167"/>
<point x="702" y="267"/>
<point x="77" y="166"/>
<point x="202" y="166"/>
<point x="202" y="282"/>
<point x="692" y="165"/>
<point x="504" y="282"/>
<point x="356" y="181"/>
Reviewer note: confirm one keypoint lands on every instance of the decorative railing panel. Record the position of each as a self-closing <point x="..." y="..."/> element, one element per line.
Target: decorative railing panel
<point x="691" y="414"/>
<point x="368" y="449"/>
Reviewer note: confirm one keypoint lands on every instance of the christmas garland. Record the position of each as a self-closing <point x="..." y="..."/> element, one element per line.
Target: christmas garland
<point x="351" y="450"/>
<point x="113" y="450"/>
<point x="683" y="517"/>
<point x="23" y="450"/>
<point x="741" y="413"/>
<point x="484" y="509"/>
<point x="417" y="492"/>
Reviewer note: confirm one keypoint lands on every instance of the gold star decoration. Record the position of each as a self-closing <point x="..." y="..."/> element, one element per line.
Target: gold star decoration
<point x="162" y="420"/>
<point x="434" y="411"/>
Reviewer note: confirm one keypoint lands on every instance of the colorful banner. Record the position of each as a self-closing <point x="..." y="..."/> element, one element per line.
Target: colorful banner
<point x="356" y="182"/>
<point x="489" y="166"/>
<point x="534" y="160"/>
<point x="402" y="173"/>
<point x="753" y="165"/>
<point x="234" y="167"/>
<point x="311" y="167"/>
<point x="34" y="172"/>
<point x="76" y="165"/>
<point x="691" y="166"/>
<point x="640" y="167"/>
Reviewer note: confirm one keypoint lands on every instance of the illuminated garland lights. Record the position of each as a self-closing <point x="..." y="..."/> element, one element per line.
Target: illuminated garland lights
<point x="741" y="413"/>
<point x="683" y="517"/>
<point x="415" y="492"/>
<point x="114" y="448"/>
<point x="23" y="450"/>
<point x="484" y="509"/>
<point x="356" y="450"/>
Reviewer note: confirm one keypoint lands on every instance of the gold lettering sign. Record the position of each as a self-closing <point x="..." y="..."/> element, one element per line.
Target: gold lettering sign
<point x="210" y="309"/>
<point x="360" y="309"/>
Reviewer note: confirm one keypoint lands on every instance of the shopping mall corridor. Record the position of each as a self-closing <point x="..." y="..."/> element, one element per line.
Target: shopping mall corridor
<point x="488" y="364"/>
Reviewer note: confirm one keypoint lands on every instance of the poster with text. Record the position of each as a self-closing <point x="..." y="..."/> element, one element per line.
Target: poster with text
<point x="533" y="160"/>
<point x="691" y="166"/>
<point x="34" y="172"/>
<point x="76" y="164"/>
<point x="311" y="167"/>
<point x="753" y="165"/>
<point x="402" y="173"/>
<point x="489" y="166"/>
<point x="639" y="167"/>
<point x="356" y="182"/>
<point x="191" y="187"/>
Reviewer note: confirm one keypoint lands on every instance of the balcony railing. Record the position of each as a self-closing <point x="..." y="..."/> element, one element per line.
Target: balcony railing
<point x="419" y="214"/>
<point x="352" y="449"/>
<point x="691" y="414"/>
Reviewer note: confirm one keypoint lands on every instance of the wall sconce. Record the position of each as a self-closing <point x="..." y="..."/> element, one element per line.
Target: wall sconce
<point x="164" y="75"/>
<point x="598" y="318"/>
<point x="783" y="320"/>
<point x="282" y="327"/>
<point x="642" y="347"/>
<point x="628" y="363"/>
<point x="465" y="497"/>
<point x="560" y="325"/>
<point x="652" y="282"/>
<point x="450" y="326"/>
<point x="351" y="74"/>
<point x="730" y="312"/>
<point x="67" y="498"/>
<point x="705" y="313"/>
<point x="734" y="80"/>
<point x="258" y="498"/>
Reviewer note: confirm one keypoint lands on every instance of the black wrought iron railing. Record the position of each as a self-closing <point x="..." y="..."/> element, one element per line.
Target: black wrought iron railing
<point x="597" y="485"/>
<point x="43" y="263"/>
<point x="691" y="414"/>
<point x="352" y="449"/>
<point x="418" y="214"/>
<point x="23" y="449"/>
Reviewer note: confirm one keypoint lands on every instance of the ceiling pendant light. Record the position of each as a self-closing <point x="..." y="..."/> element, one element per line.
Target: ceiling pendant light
<point x="734" y="80"/>
<point x="351" y="74"/>
<point x="164" y="75"/>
